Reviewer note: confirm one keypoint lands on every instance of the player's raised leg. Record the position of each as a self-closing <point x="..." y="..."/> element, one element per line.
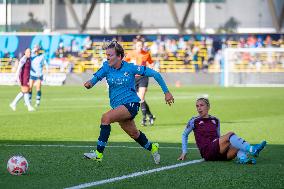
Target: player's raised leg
<point x="130" y="128"/>
<point x="19" y="96"/>
<point x="114" y="115"/>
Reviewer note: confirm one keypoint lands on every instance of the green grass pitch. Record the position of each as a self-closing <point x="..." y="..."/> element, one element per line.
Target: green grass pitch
<point x="70" y="116"/>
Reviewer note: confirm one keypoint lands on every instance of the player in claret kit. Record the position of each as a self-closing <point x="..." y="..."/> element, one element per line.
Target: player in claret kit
<point x="124" y="101"/>
<point x="213" y="146"/>
<point x="23" y="76"/>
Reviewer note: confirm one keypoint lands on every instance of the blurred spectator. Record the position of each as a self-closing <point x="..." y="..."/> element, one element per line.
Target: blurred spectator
<point x="259" y="43"/>
<point x="75" y="48"/>
<point x="87" y="45"/>
<point x="268" y="41"/>
<point x="60" y="61"/>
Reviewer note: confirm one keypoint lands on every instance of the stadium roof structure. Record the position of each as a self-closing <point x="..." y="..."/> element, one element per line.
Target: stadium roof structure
<point x="176" y="16"/>
<point x="277" y="21"/>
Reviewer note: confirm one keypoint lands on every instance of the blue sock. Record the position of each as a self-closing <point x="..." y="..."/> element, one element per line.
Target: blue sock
<point x="38" y="96"/>
<point x="239" y="143"/>
<point x="103" y="138"/>
<point x="242" y="154"/>
<point x="143" y="141"/>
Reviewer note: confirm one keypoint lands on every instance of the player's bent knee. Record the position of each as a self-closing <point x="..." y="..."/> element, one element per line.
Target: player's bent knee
<point x="105" y="120"/>
<point x="229" y="134"/>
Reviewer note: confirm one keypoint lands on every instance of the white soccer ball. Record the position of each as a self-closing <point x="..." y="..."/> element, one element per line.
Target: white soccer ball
<point x="17" y="165"/>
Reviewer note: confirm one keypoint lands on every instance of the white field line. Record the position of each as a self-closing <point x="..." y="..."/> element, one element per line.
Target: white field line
<point x="81" y="146"/>
<point x="136" y="174"/>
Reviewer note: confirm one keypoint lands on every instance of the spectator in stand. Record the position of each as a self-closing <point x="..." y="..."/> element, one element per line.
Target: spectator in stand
<point x="251" y="41"/>
<point x="259" y="43"/>
<point x="60" y="61"/>
<point x="61" y="51"/>
<point x="75" y="48"/>
<point x="242" y="43"/>
<point x="268" y="41"/>
<point x="181" y="43"/>
<point x="87" y="45"/>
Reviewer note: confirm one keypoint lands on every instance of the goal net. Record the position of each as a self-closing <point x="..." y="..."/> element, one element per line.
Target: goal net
<point x="253" y="67"/>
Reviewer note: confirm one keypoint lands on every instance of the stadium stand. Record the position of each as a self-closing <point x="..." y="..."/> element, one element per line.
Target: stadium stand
<point x="170" y="56"/>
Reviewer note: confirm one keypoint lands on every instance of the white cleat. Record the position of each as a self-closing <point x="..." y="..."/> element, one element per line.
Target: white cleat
<point x="94" y="155"/>
<point x="13" y="107"/>
<point x="31" y="109"/>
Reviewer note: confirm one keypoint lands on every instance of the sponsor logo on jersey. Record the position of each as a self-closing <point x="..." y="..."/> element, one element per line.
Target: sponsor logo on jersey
<point x="126" y="74"/>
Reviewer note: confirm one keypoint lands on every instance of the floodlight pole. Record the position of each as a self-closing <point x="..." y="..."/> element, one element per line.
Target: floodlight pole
<point x="87" y="18"/>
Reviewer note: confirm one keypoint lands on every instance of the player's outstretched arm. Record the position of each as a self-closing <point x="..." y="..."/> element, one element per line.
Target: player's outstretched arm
<point x="189" y="127"/>
<point x="169" y="98"/>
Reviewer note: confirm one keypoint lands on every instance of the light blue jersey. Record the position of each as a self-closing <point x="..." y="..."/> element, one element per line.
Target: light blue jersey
<point x="122" y="81"/>
<point x="38" y="62"/>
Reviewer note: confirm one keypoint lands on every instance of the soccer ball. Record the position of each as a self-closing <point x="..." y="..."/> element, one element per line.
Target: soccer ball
<point x="17" y="165"/>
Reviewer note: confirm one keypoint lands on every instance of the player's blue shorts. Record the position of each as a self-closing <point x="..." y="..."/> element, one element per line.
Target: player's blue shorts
<point x="133" y="108"/>
<point x="36" y="78"/>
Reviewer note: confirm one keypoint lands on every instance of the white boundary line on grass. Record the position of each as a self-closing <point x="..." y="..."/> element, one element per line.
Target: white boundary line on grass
<point x="136" y="174"/>
<point x="81" y="146"/>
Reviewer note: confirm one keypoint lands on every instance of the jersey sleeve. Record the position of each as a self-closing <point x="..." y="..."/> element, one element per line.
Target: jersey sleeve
<point x="100" y="74"/>
<point x="20" y="65"/>
<point x="189" y="127"/>
<point x="144" y="71"/>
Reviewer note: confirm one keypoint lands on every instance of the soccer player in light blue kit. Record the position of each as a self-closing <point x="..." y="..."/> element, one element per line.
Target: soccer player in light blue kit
<point x="124" y="101"/>
<point x="36" y="73"/>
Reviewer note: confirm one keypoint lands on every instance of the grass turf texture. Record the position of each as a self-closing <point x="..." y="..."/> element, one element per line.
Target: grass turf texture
<point x="71" y="115"/>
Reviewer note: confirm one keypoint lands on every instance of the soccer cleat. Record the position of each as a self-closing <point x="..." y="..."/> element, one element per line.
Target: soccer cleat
<point x="143" y="123"/>
<point x="152" y="120"/>
<point x="155" y="153"/>
<point x="254" y="151"/>
<point x="246" y="160"/>
<point x="94" y="155"/>
<point x="31" y="109"/>
<point x="37" y="105"/>
<point x="13" y="107"/>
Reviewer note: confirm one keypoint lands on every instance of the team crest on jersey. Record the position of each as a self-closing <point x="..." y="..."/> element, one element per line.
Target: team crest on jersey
<point x="139" y="68"/>
<point x="126" y="74"/>
<point x="213" y="121"/>
<point x="201" y="122"/>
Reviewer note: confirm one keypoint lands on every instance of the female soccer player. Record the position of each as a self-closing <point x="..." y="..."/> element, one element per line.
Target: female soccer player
<point x="23" y="75"/>
<point x="212" y="146"/>
<point x="142" y="58"/>
<point x="124" y="101"/>
<point x="36" y="74"/>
